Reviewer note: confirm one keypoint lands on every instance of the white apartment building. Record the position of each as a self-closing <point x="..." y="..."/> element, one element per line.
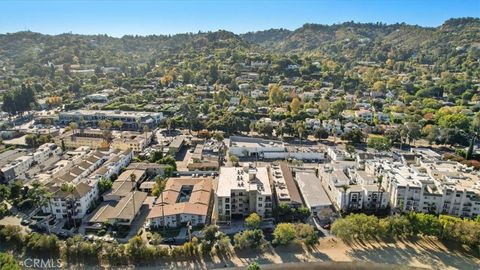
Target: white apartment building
<point x="130" y="120"/>
<point x="117" y="160"/>
<point x="241" y="191"/>
<point x="82" y="180"/>
<point x="430" y="186"/>
<point x="349" y="191"/>
<point x="21" y="165"/>
<point x="71" y="203"/>
<point x="46" y="151"/>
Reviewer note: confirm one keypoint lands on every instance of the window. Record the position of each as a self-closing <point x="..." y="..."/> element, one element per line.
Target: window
<point x="260" y="205"/>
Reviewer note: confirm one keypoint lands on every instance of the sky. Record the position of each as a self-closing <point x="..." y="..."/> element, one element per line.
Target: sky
<point x="142" y="17"/>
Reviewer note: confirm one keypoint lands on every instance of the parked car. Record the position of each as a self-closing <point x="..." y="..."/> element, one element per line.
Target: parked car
<point x="25" y="222"/>
<point x="170" y="240"/>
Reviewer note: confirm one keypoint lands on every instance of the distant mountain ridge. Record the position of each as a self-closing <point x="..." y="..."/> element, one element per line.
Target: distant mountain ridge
<point x="346" y="38"/>
<point x="348" y="41"/>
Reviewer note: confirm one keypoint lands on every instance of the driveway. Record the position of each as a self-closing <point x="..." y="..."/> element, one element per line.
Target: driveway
<point x="137" y="224"/>
<point x="14" y="220"/>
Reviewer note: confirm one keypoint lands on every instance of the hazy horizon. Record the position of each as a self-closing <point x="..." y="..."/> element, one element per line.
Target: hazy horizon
<point x="145" y="18"/>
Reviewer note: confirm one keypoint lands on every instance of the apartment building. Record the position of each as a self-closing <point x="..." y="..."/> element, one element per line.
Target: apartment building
<point x="184" y="201"/>
<point x="119" y="212"/>
<point x="70" y="201"/>
<point x="352" y="190"/>
<point x="92" y="138"/>
<point x="130" y="120"/>
<point x="46" y="151"/>
<point x="117" y="160"/>
<point x="6" y="173"/>
<point x="430" y="185"/>
<point x="124" y="185"/>
<point x="284" y="187"/>
<point x="243" y="190"/>
<point x="137" y="141"/>
<point x="20" y="166"/>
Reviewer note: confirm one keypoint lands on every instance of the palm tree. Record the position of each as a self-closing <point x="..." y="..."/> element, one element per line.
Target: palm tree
<point x="105" y="126"/>
<point x="146" y="129"/>
<point x="41" y="196"/>
<point x="69" y="189"/>
<point x="300" y="126"/>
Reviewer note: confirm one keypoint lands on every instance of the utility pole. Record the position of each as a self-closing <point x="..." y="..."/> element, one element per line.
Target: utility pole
<point x="163" y="212"/>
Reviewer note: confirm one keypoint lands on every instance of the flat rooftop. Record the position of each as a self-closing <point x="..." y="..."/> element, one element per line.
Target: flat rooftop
<point x="237" y="178"/>
<point x="284" y="185"/>
<point x="312" y="190"/>
<point x="248" y="142"/>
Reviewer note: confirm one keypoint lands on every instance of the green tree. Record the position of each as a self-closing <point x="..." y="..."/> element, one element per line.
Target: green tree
<point x="455" y="121"/>
<point x="321" y="133"/>
<point x="104" y="184"/>
<point x="379" y="143"/>
<point x="284" y="233"/>
<point x="118" y="124"/>
<point x="234" y="159"/>
<point x="137" y="249"/>
<point x="353" y="136"/>
<point x="249" y="239"/>
<point x="253" y="266"/>
<point x="209" y="239"/>
<point x="295" y="106"/>
<point x="253" y="221"/>
<point x="8" y="262"/>
<point x="275" y="94"/>
<point x="306" y="233"/>
<point x="379" y="86"/>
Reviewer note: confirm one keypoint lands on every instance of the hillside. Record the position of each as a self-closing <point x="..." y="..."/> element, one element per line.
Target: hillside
<point x="456" y="38"/>
<point x="26" y="47"/>
<point x="373" y="42"/>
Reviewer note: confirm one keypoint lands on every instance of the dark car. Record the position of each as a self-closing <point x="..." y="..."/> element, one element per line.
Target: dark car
<point x="170" y="240"/>
<point x="25" y="222"/>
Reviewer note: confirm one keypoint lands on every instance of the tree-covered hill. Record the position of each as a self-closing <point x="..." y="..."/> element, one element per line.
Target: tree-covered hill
<point x="455" y="43"/>
<point x="375" y="41"/>
<point x="26" y="48"/>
